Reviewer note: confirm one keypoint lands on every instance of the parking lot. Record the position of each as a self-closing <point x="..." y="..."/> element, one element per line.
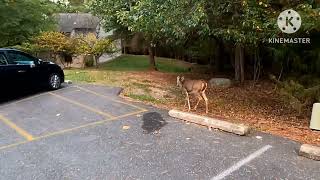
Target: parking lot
<point x="58" y="112"/>
<point x="88" y="132"/>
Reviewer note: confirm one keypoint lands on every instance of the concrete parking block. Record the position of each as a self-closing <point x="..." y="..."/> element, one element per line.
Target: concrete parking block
<point x="68" y="81"/>
<point x="310" y="151"/>
<point x="211" y="122"/>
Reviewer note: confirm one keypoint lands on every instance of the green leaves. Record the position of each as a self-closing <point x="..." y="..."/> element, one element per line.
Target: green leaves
<point x="20" y="20"/>
<point x="157" y="20"/>
<point x="55" y="42"/>
<point x="90" y="45"/>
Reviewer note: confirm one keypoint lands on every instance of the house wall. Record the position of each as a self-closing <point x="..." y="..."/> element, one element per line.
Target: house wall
<point x="83" y="31"/>
<point x="78" y="61"/>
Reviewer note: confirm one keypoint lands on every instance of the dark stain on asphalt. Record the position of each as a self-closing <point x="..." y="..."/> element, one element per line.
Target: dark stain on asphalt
<point x="152" y="122"/>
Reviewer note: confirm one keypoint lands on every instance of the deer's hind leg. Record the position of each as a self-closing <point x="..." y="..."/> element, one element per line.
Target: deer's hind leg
<point x="199" y="99"/>
<point x="187" y="101"/>
<point x="203" y="95"/>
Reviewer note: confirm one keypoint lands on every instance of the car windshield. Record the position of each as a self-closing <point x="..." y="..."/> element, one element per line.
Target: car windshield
<point x="19" y="58"/>
<point x="24" y="62"/>
<point x="3" y="60"/>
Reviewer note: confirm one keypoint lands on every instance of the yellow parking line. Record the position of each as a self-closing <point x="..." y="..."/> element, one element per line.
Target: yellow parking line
<point x="82" y="105"/>
<point x="33" y="97"/>
<point x="71" y="129"/>
<point x="19" y="130"/>
<point x="13" y="145"/>
<point x="106" y="97"/>
<point x="87" y="125"/>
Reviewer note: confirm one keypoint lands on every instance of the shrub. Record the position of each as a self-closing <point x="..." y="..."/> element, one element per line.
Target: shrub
<point x="297" y="95"/>
<point x="89" y="61"/>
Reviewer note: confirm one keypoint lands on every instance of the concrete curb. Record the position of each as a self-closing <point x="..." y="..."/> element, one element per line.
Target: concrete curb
<point x="310" y="151"/>
<point x="211" y="122"/>
<point x="68" y="81"/>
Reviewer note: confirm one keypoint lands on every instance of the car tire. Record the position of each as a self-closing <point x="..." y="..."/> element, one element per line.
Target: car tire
<point x="54" y="81"/>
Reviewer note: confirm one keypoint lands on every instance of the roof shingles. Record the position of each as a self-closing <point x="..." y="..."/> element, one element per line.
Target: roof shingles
<point x="69" y="21"/>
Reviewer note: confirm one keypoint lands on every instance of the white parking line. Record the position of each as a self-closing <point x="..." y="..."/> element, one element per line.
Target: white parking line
<point x="239" y="164"/>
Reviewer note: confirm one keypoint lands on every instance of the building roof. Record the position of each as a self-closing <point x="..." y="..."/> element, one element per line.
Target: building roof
<point x="69" y="21"/>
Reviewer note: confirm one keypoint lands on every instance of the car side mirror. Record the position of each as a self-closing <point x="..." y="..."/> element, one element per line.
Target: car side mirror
<point x="34" y="63"/>
<point x="40" y="61"/>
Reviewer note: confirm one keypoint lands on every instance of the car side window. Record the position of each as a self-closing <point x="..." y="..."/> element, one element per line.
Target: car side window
<point x="3" y="60"/>
<point x="19" y="58"/>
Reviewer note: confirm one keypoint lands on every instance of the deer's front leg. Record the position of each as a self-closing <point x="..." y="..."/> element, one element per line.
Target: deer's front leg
<point x="188" y="100"/>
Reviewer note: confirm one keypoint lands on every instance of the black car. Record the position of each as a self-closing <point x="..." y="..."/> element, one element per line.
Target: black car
<point x="21" y="70"/>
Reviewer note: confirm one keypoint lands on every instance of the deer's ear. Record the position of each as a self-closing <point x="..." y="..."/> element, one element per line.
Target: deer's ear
<point x="182" y="78"/>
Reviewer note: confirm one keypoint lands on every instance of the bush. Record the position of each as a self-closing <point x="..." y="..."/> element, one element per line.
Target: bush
<point x="89" y="61"/>
<point x="297" y="95"/>
<point x="55" y="42"/>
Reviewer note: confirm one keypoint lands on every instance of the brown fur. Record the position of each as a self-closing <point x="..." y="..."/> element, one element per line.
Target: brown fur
<point x="194" y="87"/>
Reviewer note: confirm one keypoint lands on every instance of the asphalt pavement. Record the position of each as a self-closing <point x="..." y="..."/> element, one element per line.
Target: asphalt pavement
<point x="88" y="132"/>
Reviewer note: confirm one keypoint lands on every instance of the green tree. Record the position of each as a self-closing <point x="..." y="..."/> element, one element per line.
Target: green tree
<point x="247" y="25"/>
<point x="72" y="6"/>
<point x="159" y="21"/>
<point x="90" y="45"/>
<point x="57" y="44"/>
<point x="20" y="20"/>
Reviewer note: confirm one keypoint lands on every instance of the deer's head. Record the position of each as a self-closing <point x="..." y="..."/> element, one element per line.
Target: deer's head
<point x="180" y="81"/>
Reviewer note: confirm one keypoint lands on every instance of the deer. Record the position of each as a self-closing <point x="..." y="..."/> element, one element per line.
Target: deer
<point x="193" y="87"/>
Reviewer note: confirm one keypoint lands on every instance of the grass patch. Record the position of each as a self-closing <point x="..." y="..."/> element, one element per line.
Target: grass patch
<point x="95" y="76"/>
<point x="145" y="87"/>
<point x="141" y="63"/>
<point x="144" y="97"/>
<point x="140" y="85"/>
<point x="78" y="76"/>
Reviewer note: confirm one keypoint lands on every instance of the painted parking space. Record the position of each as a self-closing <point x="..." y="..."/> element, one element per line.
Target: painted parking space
<point x="96" y="101"/>
<point x="177" y="151"/>
<point x="53" y="113"/>
<point x="8" y="135"/>
<point x="47" y="114"/>
<point x="108" y="152"/>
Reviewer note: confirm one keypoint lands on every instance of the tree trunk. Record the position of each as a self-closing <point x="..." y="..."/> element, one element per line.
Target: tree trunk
<point x="239" y="63"/>
<point x="123" y="45"/>
<point x="257" y="65"/>
<point x="151" y="58"/>
<point x="241" y="59"/>
<point x="96" y="60"/>
<point x="217" y="56"/>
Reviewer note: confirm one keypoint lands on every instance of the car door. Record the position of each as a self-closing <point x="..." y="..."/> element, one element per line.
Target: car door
<point x="4" y="76"/>
<point x="23" y="68"/>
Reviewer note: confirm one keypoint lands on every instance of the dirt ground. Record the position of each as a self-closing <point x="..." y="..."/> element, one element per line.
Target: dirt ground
<point x="259" y="106"/>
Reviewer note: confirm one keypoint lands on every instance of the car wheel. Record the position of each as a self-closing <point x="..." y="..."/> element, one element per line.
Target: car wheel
<point x="54" y="81"/>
